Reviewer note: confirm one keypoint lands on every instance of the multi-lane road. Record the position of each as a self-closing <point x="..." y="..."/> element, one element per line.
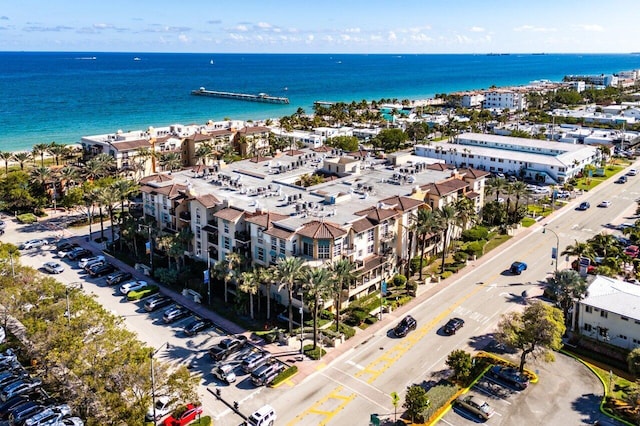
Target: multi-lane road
<point x="359" y="382"/>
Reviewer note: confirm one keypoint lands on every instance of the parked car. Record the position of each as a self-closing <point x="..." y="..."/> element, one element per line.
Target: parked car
<point x="226" y="347"/>
<point x="53" y="267"/>
<point x="264" y="375"/>
<point x="197" y="325"/>
<point x="517" y="268"/>
<point x="87" y="260"/>
<point x="78" y="253"/>
<point x="476" y="406"/>
<point x="156" y="302"/>
<point x="224" y="373"/>
<point x="64" y="249"/>
<point x="255" y="361"/>
<point x="70" y="421"/>
<point x="510" y="375"/>
<point x="33" y="244"/>
<point x="632" y="251"/>
<point x="132" y="286"/>
<point x="163" y="406"/>
<point x="183" y="415"/>
<point x="99" y="270"/>
<point x="265" y="416"/>
<point x="118" y="277"/>
<point x="44" y="417"/>
<point x="584" y="205"/>
<point x="453" y="325"/>
<point x="21" y="412"/>
<point x="406" y="325"/>
<point x="18" y="388"/>
<point x="174" y="313"/>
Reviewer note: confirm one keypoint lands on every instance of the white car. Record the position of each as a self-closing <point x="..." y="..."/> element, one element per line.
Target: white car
<point x="85" y="261"/>
<point x="604" y="203"/>
<point x="132" y="286"/>
<point x="3" y="224"/>
<point x="3" y="335"/>
<point x="33" y="244"/>
<point x="163" y="406"/>
<point x="53" y="267"/>
<point x="632" y="172"/>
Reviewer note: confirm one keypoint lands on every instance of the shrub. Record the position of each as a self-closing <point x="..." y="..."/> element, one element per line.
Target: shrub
<point x="412" y="287"/>
<point x="27" y="218"/>
<point x="315" y="354"/>
<point x="347" y="331"/>
<point x="326" y="315"/>
<point x="417" y="263"/>
<point x="446" y="274"/>
<point x="460" y="256"/>
<point x="202" y="421"/>
<point x="460" y="362"/>
<point x="474" y="234"/>
<point x="285" y="375"/>
<point x="399" y="280"/>
<point x="438" y="396"/>
<point x="476" y="247"/>
<point x="371" y="320"/>
<point x="145" y="292"/>
<point x="356" y="316"/>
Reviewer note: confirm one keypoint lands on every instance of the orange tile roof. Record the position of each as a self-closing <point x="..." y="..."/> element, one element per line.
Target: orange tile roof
<point x="229" y="214"/>
<point x="321" y="230"/>
<point x="208" y="200"/>
<point x="265" y="219"/>
<point x="376" y="214"/>
<point x="403" y="204"/>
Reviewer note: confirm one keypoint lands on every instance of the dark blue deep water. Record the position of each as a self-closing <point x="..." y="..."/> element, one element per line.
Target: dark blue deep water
<point x="61" y="96"/>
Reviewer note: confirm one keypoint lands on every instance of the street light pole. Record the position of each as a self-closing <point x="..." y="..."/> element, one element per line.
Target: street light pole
<point x="301" y="294"/>
<point x="72" y="286"/>
<point x="557" y="244"/>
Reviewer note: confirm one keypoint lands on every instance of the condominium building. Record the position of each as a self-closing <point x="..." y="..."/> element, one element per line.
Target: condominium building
<point x="258" y="208"/>
<point x="512" y="99"/>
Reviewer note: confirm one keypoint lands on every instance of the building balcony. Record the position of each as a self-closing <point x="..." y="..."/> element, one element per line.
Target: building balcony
<point x="185" y="216"/>
<point x="386" y="236"/>
<point x="172" y="212"/>
<point x="242" y="237"/>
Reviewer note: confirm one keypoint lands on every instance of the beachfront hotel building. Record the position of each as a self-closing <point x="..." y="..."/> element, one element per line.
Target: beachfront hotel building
<point x="256" y="207"/>
<point x="499" y="99"/>
<point x="532" y="159"/>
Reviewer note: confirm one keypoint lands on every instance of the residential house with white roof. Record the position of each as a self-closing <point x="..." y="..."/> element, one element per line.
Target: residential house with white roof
<point x="610" y="312"/>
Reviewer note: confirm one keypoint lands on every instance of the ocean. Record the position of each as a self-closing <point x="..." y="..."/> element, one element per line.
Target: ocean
<point x="62" y="96"/>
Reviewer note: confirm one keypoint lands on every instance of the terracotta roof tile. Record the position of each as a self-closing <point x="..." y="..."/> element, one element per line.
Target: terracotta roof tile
<point x="474" y="173"/>
<point x="265" y="219"/>
<point x="376" y="214"/>
<point x="321" y="230"/>
<point x="229" y="214"/>
<point x="254" y="129"/>
<point x="208" y="200"/>
<point x="124" y="146"/>
<point x="279" y="233"/>
<point x="361" y="225"/>
<point x="445" y="187"/>
<point x="403" y="204"/>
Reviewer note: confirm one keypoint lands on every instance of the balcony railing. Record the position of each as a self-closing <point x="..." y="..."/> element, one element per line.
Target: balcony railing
<point x="386" y="236"/>
<point x="242" y="237"/>
<point x="186" y="216"/>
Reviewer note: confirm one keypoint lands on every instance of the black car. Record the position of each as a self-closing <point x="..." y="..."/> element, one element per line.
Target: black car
<point x="11" y="403"/>
<point x="584" y="206"/>
<point x="22" y="412"/>
<point x="118" y="277"/>
<point x="79" y="253"/>
<point x="101" y="270"/>
<point x="66" y="245"/>
<point x="453" y="325"/>
<point x="511" y="375"/>
<point x="407" y="324"/>
<point x="196" y="326"/>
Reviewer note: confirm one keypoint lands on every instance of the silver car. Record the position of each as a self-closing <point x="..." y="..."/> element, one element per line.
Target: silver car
<point x="476" y="406"/>
<point x="53" y="267"/>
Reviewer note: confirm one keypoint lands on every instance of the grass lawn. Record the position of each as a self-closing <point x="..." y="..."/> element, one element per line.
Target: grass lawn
<point x="587" y="183"/>
<point x="616" y="385"/>
<point x="527" y="222"/>
<point x="496" y="241"/>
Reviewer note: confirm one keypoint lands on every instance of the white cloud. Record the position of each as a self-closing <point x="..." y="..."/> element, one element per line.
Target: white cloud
<point x="242" y="28"/>
<point x="352" y="30"/>
<point x="421" y="37"/>
<point x="534" y="29"/>
<point x="263" y="25"/>
<point x="310" y="38"/>
<point x="183" y="38"/>
<point x="590" y="27"/>
<point x="477" y="29"/>
<point x="463" y="39"/>
<point x="102" y="26"/>
<point x="392" y="36"/>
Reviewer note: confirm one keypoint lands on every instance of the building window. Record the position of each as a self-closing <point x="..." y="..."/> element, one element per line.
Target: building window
<point x="198" y="232"/>
<point x="294" y="247"/>
<point x="226" y="243"/>
<point x="260" y="253"/>
<point x="324" y="250"/>
<point x="274" y="243"/>
<point x="603" y="314"/>
<point x="588" y="309"/>
<point x="370" y="236"/>
<point x="370" y="248"/>
<point x="587" y="327"/>
<point x="283" y="246"/>
<point x="197" y="216"/>
<point x="623" y="337"/>
<point x="225" y="225"/>
<point x="337" y="248"/>
<point x="307" y="249"/>
<point x="624" y="318"/>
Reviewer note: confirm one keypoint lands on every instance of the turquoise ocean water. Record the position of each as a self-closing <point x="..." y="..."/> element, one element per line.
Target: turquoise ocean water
<point x="62" y="96"/>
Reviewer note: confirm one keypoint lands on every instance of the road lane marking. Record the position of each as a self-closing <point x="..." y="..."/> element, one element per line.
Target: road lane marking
<point x="358" y="366"/>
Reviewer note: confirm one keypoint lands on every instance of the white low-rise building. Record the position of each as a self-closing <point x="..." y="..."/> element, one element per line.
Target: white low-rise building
<point x="537" y="160"/>
<point x="610" y="312"/>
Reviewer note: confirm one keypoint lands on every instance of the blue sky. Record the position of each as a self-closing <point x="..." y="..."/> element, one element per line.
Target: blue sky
<point x="313" y="26"/>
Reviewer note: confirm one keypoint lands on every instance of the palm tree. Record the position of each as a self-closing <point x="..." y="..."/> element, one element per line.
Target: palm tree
<point x="171" y="161"/>
<point x="317" y="285"/>
<point x="579" y="250"/>
<point x="231" y="262"/>
<point x="518" y="189"/>
<point x="465" y="211"/>
<point x="41" y="176"/>
<point x="425" y="225"/>
<point x="605" y="245"/>
<point x="289" y="272"/>
<point x="446" y="219"/>
<point x="495" y="185"/>
<point x="6" y="156"/>
<point x="343" y="275"/>
<point x="21" y="158"/>
<point x="568" y="287"/>
<point x="99" y="166"/>
<point x="39" y="150"/>
<point x="146" y="154"/>
<point x="57" y="151"/>
<point x="69" y="175"/>
<point x="124" y="188"/>
<point x="250" y="283"/>
<point x="204" y="152"/>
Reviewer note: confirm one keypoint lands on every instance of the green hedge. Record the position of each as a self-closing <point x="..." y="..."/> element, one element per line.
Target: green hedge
<point x="439" y="395"/>
<point x="140" y="294"/>
<point x="474" y="234"/>
<point x="314" y="354"/>
<point x="27" y="218"/>
<point x="285" y="375"/>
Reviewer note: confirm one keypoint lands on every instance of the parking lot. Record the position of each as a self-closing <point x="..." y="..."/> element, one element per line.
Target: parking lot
<point x="173" y="344"/>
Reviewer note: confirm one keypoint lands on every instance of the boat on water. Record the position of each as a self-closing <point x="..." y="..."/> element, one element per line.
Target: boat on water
<point x="211" y="62"/>
<point x="136" y="59"/>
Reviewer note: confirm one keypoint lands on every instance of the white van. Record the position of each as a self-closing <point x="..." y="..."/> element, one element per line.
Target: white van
<point x="265" y="416"/>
